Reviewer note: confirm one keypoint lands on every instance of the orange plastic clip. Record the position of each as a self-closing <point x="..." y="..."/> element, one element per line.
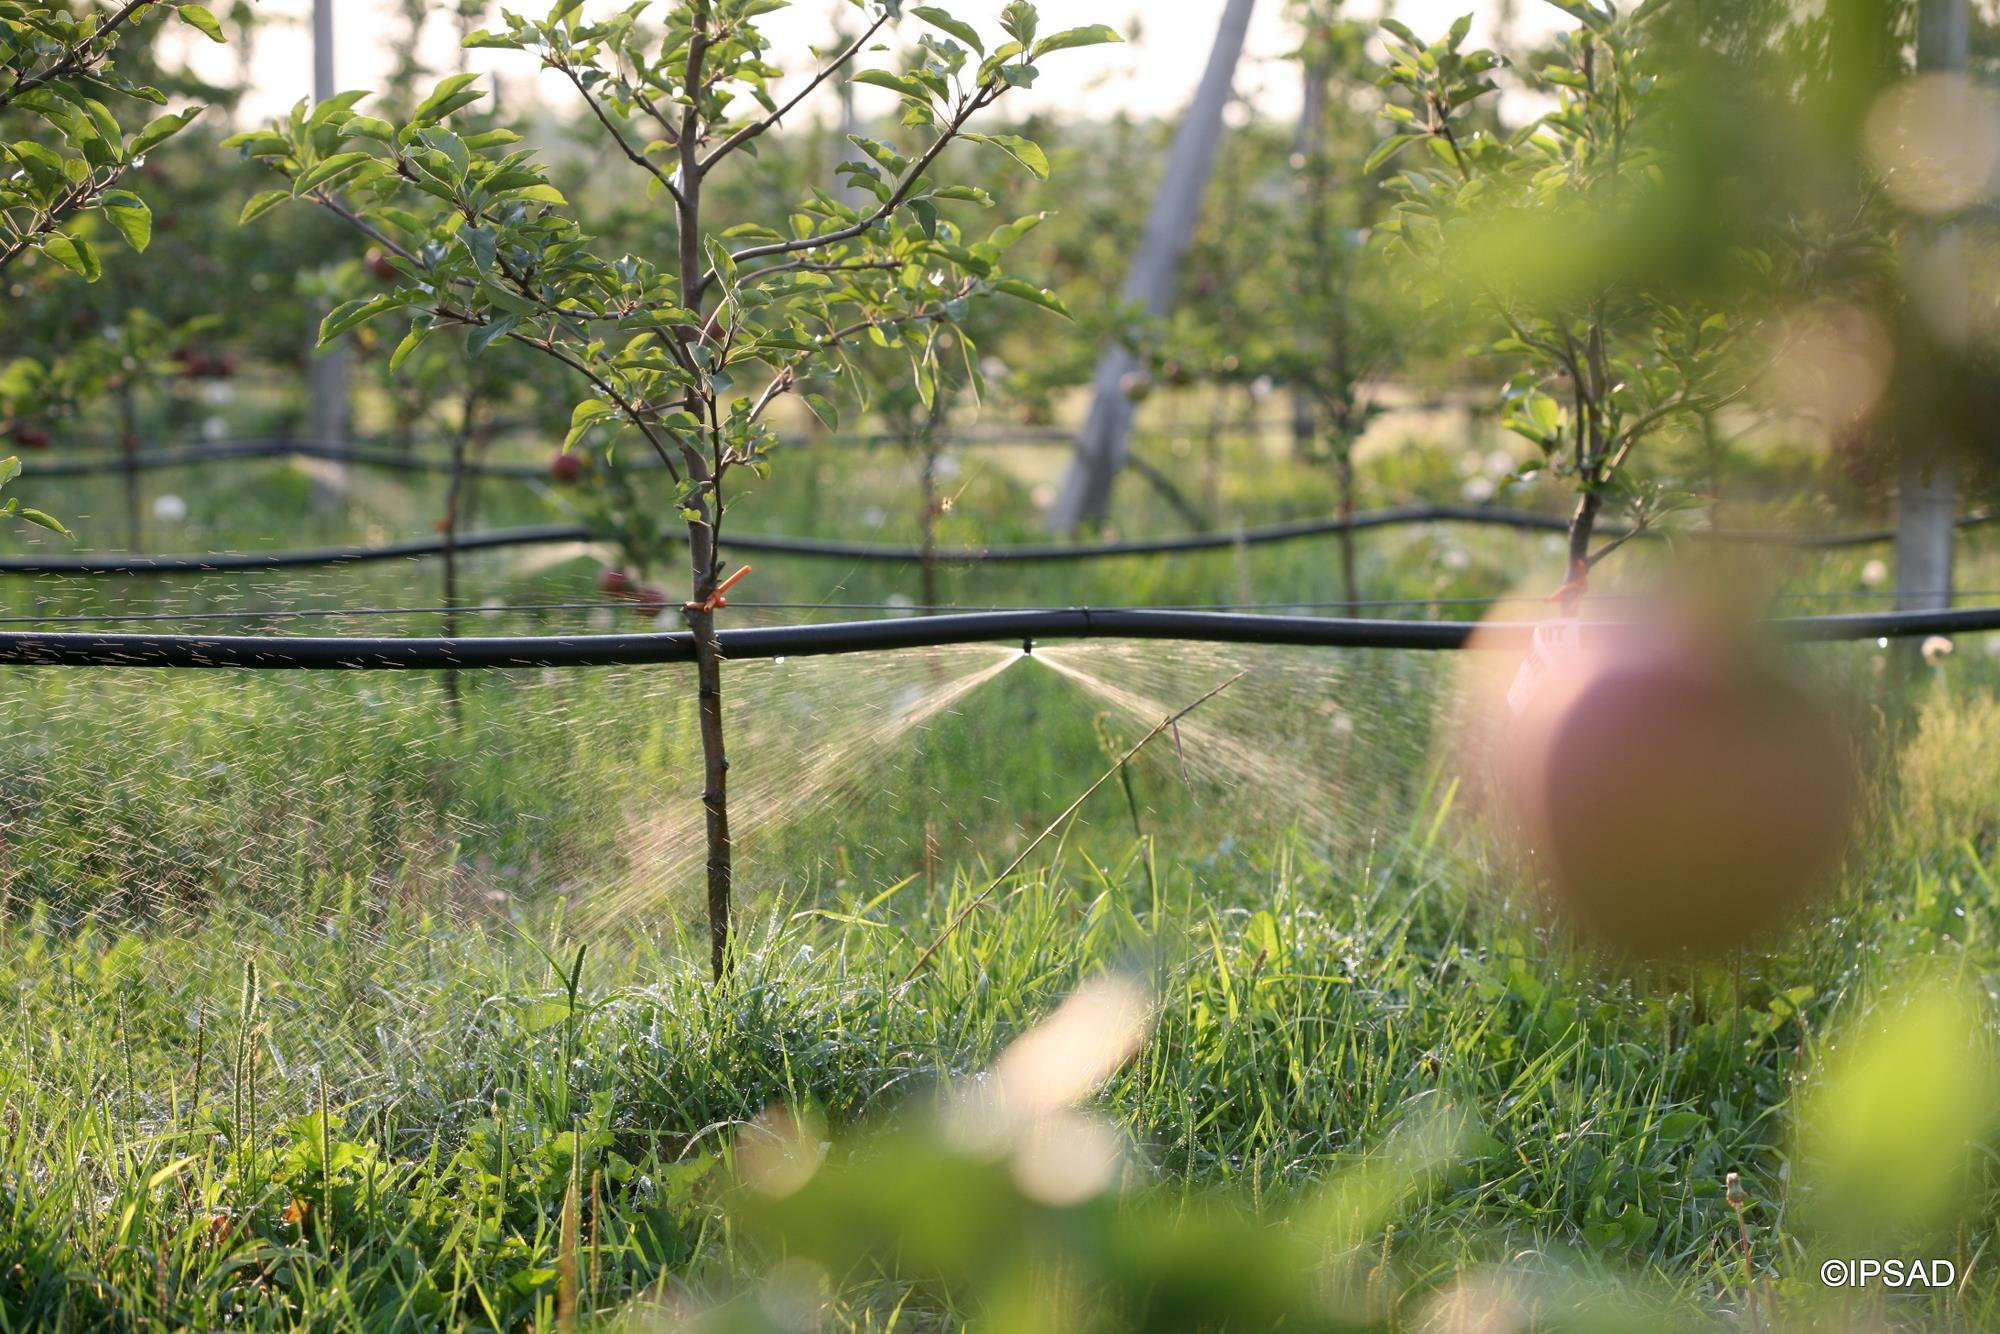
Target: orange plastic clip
<point x="716" y="601"/>
<point x="1573" y="588"/>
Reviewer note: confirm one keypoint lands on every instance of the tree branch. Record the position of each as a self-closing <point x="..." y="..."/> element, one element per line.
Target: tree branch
<point x="977" y="102"/>
<point x="638" y="158"/>
<point x="77" y="58"/>
<point x="757" y="127"/>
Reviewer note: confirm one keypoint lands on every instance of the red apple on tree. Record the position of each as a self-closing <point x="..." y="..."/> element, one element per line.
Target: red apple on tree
<point x="566" y="467"/>
<point x="614" y="581"/>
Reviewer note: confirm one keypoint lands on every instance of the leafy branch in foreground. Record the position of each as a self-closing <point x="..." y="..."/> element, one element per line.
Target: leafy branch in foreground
<point x="72" y="154"/>
<point x="63" y="152"/>
<point x="684" y="352"/>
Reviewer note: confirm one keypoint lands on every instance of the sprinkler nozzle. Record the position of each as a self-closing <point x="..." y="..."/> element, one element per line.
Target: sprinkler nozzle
<point x="1027" y="648"/>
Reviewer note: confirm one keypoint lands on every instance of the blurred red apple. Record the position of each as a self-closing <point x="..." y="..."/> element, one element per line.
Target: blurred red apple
<point x="29" y="437"/>
<point x="1677" y="794"/>
<point x="652" y="601"/>
<point x="200" y="363"/>
<point x="566" y="467"/>
<point x="614" y="581"/>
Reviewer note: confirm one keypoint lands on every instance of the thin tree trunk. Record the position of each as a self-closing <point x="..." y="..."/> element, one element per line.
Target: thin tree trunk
<point x="704" y="568"/>
<point x="1101" y="448"/>
<point x="128" y="443"/>
<point x="715" y="786"/>
<point x="1343" y="474"/>
<point x="454" y="496"/>
<point x="930" y="518"/>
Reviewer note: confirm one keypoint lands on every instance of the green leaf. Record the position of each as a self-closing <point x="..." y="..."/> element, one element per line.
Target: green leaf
<point x="411" y="342"/>
<point x="541" y="194"/>
<point x="1007" y="234"/>
<point x="1020" y="20"/>
<point x="44" y="519"/>
<point x="483" y="337"/>
<point x="823" y="408"/>
<point x="129" y="214"/>
<point x="584" y="416"/>
<point x="1387" y="149"/>
<point x="895" y="83"/>
<point x="260" y="204"/>
<point x="1677" y="1126"/>
<point x="1027" y="291"/>
<point x="446" y="98"/>
<point x="161" y="129"/>
<point x="1402" y="33"/>
<point x="259" y="143"/>
<point x="201" y="21"/>
<point x="970" y="194"/>
<point x="1024" y="151"/>
<point x="348" y="314"/>
<point x="482" y="243"/>
<point x="330" y="169"/>
<point x="1095" y="34"/>
<point x="479" y="143"/>
<point x="370" y="127"/>
<point x="958" y="28"/>
<point x="74" y="254"/>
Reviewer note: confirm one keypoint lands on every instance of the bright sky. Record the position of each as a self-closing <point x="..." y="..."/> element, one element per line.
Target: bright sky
<point x="1151" y="76"/>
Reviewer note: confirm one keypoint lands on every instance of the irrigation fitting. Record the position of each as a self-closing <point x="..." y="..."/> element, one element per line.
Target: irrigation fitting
<point x="1027" y="648"/>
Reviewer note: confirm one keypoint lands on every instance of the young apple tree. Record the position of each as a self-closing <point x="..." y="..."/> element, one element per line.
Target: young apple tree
<point x="64" y="155"/>
<point x="682" y="349"/>
<point x="1573" y="233"/>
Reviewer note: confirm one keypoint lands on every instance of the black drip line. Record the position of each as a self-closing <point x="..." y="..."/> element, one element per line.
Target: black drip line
<point x="1003" y="554"/>
<point x="1024" y="627"/>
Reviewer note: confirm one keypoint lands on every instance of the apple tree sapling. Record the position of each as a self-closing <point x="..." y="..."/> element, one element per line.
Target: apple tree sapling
<point x="64" y="153"/>
<point x="1564" y="233"/>
<point x="681" y="351"/>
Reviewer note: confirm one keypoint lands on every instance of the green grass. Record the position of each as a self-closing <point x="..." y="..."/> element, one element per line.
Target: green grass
<point x="165" y="1163"/>
<point x="315" y="1017"/>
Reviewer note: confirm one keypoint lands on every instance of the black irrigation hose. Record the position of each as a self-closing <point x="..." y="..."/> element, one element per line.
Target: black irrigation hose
<point x="408" y="459"/>
<point x="830" y="549"/>
<point x="541" y="534"/>
<point x="265" y="652"/>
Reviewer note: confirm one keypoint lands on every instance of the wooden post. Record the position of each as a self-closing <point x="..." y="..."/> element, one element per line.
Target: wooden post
<point x="1927" y="487"/>
<point x="1101" y="449"/>
<point x="327" y="370"/>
